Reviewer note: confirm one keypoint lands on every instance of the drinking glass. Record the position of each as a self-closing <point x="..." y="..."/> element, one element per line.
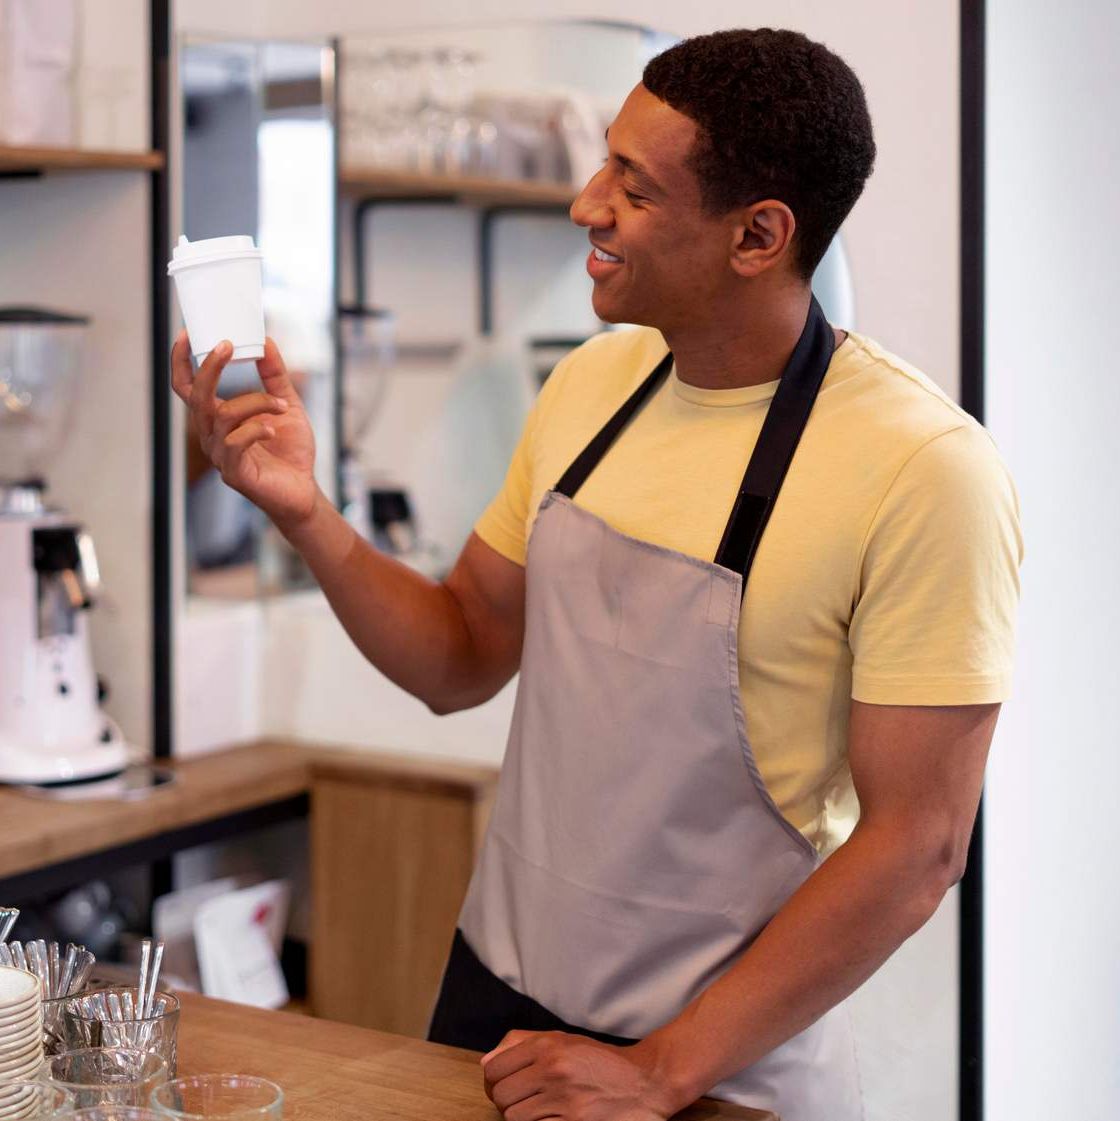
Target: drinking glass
<point x="107" y="1075"/>
<point x="115" y="1113"/>
<point x="34" y="1101"/>
<point x="230" y="1097"/>
<point x="107" y="1018"/>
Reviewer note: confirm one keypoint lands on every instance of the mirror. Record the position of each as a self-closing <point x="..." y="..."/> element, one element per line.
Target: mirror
<point x="259" y="158"/>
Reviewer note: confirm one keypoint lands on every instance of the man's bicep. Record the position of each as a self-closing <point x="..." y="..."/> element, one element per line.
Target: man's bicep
<point x="490" y="591"/>
<point x="920" y="769"/>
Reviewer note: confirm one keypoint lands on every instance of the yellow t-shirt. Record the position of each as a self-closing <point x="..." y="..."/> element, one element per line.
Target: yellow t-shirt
<point x="888" y="571"/>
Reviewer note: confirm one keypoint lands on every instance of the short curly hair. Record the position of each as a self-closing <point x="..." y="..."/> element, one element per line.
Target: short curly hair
<point x="779" y="116"/>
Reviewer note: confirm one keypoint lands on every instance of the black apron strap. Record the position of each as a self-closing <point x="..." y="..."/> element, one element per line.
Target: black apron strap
<point x="781" y="432"/>
<point x="475" y="1008"/>
<point x="588" y="459"/>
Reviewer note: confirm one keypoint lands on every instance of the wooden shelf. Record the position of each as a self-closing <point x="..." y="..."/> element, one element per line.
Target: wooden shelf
<point x="76" y="159"/>
<point x="374" y="182"/>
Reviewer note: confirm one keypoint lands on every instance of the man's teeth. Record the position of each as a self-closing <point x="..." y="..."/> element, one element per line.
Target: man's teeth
<point x="601" y="256"/>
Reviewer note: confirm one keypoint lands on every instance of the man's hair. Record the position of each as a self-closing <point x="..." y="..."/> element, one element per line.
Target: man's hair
<point x="778" y="116"/>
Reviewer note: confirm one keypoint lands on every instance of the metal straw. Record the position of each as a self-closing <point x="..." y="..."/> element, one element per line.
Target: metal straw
<point x="153" y="981"/>
<point x="145" y="961"/>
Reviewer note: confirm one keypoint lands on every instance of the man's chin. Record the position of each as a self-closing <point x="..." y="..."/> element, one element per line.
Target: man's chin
<point x="611" y="311"/>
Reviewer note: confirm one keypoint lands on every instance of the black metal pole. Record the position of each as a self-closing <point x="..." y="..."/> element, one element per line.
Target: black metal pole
<point x="972" y="202"/>
<point x="162" y="568"/>
<point x="162" y="874"/>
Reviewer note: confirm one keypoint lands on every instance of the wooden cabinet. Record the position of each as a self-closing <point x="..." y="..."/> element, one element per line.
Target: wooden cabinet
<point x="392" y="849"/>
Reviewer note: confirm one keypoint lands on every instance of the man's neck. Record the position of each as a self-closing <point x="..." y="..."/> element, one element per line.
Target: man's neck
<point x="744" y="349"/>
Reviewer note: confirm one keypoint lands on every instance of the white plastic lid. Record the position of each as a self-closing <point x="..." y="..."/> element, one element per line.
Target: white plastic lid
<point x="211" y="249"/>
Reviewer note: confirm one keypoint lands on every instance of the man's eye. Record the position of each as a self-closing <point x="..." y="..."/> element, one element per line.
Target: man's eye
<point x="633" y="197"/>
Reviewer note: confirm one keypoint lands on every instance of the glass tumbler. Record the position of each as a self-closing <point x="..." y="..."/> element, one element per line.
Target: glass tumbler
<point x="231" y="1097"/>
<point x="107" y="1018"/>
<point x="107" y="1075"/>
<point x="34" y="1101"/>
<point x="115" y="1113"/>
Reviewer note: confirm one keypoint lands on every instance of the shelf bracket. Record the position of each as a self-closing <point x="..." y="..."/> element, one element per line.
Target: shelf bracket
<point x="488" y="219"/>
<point x="363" y="210"/>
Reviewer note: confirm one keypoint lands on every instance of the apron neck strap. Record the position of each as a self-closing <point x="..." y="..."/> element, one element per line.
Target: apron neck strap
<point x="781" y="431"/>
<point x="588" y="459"/>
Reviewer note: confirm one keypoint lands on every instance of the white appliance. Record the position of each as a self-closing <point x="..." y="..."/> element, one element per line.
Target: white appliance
<point x="52" y="729"/>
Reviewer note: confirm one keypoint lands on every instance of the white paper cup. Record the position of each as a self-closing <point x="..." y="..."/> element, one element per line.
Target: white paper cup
<point x="219" y="285"/>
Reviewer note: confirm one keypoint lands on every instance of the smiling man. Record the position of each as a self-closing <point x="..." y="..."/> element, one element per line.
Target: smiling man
<point x="759" y="577"/>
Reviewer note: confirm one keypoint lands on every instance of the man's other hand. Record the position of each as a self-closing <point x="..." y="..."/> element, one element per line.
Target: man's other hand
<point x="534" y="1075"/>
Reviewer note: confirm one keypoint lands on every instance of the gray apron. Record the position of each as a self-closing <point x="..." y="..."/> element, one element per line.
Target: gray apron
<point x="634" y="852"/>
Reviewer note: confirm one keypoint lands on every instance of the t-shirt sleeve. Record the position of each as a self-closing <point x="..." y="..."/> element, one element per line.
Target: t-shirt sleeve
<point x="503" y="525"/>
<point x="934" y="618"/>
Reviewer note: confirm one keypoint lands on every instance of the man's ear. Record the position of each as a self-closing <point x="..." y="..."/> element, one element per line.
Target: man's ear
<point x="761" y="237"/>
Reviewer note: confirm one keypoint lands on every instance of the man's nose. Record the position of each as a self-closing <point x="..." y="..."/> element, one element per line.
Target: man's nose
<point x="591" y="208"/>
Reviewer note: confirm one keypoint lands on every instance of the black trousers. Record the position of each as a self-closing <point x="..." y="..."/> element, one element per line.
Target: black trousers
<point x="475" y="1009"/>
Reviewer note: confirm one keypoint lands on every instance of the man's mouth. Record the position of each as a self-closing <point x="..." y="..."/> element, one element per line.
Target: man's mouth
<point x="602" y="255"/>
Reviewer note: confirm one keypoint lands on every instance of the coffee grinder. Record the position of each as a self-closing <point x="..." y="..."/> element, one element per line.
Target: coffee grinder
<point x="52" y="729"/>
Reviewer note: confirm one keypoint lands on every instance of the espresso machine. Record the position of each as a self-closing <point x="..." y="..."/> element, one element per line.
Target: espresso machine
<point x="52" y="729"/>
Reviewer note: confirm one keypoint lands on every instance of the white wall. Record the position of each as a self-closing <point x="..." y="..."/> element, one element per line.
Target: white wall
<point x="1052" y="966"/>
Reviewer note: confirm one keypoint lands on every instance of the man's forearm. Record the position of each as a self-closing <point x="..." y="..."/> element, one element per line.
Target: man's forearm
<point x="409" y="627"/>
<point x="832" y="934"/>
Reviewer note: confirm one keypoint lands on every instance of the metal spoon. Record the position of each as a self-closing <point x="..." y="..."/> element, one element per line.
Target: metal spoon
<point x="83" y="967"/>
<point x="53" y="959"/>
<point x="8" y="916"/>
<point x="40" y="968"/>
<point x="67" y="976"/>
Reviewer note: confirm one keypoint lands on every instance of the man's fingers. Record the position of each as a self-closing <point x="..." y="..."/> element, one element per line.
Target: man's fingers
<point x="510" y="1039"/>
<point x="229" y="414"/>
<point x="274" y="374"/>
<point x="204" y="392"/>
<point x="237" y="441"/>
<point x="516" y="1088"/>
<point x="510" y="1056"/>
<point x="182" y="371"/>
<point x="537" y="1108"/>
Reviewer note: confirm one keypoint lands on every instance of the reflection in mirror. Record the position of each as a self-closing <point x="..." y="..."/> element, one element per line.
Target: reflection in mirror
<point x="259" y="159"/>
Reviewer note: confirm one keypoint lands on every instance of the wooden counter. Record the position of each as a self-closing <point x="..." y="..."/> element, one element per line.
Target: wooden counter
<point x="392" y="843"/>
<point x="335" y="1072"/>
<point x="35" y="833"/>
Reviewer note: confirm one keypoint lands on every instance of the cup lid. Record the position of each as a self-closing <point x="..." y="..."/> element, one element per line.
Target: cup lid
<point x="210" y="246"/>
<point x="188" y="253"/>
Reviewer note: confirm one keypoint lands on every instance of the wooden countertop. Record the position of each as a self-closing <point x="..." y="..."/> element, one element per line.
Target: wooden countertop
<point x="335" y="1072"/>
<point x="35" y="833"/>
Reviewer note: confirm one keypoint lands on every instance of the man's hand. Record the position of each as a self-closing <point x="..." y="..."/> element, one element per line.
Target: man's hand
<point x="535" y="1075"/>
<point x="262" y="443"/>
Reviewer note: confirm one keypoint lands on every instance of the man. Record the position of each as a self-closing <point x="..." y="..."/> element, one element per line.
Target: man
<point x="653" y="917"/>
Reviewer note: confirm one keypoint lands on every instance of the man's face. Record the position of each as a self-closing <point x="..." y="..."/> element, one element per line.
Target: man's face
<point x="643" y="208"/>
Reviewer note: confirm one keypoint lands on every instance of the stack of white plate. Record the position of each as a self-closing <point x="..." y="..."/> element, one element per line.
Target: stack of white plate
<point x="21" y="1027"/>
